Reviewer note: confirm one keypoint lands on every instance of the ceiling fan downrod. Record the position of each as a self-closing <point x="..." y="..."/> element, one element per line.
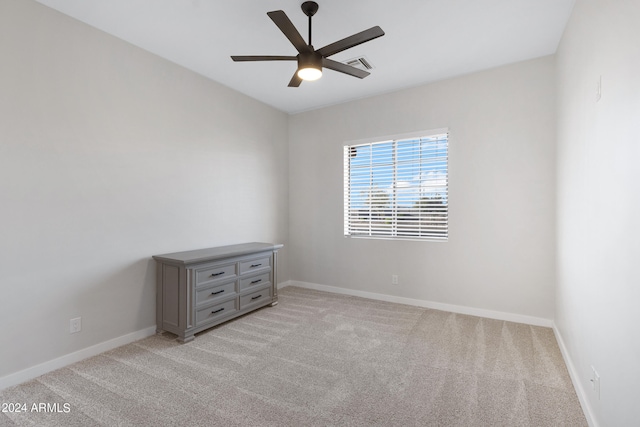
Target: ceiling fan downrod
<point x="309" y="8"/>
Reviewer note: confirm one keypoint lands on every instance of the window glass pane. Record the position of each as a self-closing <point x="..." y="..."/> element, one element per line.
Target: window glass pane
<point x="397" y="188"/>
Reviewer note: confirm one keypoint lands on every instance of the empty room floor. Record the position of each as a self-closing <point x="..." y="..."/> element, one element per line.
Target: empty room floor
<point x="321" y="359"/>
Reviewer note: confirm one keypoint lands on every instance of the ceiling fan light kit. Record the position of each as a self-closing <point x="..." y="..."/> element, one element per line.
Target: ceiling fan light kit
<point x="310" y="66"/>
<point x="311" y="61"/>
<point x="309" y="73"/>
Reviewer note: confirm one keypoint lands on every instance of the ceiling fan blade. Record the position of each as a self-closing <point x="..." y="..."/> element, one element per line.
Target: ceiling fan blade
<point x="295" y="80"/>
<point x="288" y="29"/>
<point x="344" y="68"/>
<point x="264" y="58"/>
<point x="351" y="41"/>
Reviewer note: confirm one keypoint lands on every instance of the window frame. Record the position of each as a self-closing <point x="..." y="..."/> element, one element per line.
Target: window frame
<point x="395" y="208"/>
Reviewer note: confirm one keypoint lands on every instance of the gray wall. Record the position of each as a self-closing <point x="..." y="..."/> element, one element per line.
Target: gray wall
<point x="598" y="203"/>
<point x="109" y="155"/>
<point x="501" y="254"/>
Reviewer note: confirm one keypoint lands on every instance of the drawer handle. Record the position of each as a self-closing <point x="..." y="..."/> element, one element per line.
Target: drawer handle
<point x="217" y="311"/>
<point x="256" y="281"/>
<point x="255" y="265"/>
<point x="216" y="293"/>
<point x="256" y="297"/>
<point x="217" y="274"/>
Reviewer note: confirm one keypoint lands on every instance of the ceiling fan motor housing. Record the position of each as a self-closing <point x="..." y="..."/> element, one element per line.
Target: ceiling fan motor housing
<point x="310" y="60"/>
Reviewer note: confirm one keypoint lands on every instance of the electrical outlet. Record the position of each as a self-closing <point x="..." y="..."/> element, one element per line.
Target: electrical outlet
<point x="75" y="325"/>
<point x="394" y="279"/>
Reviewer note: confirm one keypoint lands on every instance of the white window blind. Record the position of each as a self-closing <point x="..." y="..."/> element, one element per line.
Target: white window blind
<point x="397" y="189"/>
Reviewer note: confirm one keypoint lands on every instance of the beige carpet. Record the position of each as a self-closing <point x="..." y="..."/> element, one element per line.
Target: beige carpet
<point x="318" y="359"/>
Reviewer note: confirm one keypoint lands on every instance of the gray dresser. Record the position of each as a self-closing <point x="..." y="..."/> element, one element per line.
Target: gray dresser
<point x="203" y="288"/>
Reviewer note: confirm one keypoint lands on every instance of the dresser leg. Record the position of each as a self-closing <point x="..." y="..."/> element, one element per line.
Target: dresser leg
<point x="273" y="304"/>
<point x="185" y="339"/>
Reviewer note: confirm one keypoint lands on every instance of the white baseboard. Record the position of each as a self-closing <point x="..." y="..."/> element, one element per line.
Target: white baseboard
<point x="499" y="315"/>
<point x="575" y="379"/>
<point x="285" y="284"/>
<point x="68" y="359"/>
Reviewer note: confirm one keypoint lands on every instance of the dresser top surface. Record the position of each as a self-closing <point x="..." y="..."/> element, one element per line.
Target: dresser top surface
<point x="219" y="252"/>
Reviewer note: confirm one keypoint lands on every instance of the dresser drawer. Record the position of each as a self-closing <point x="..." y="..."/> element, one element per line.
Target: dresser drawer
<point x="209" y="275"/>
<point x="223" y="309"/>
<point x="255" y="297"/>
<point x="261" y="279"/>
<point x="210" y="294"/>
<point x="255" y="264"/>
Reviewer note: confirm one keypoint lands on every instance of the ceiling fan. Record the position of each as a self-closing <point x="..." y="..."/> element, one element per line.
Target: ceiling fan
<point x="310" y="60"/>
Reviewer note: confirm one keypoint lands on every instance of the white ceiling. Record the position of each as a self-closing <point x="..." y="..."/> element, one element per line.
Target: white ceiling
<point x="425" y="40"/>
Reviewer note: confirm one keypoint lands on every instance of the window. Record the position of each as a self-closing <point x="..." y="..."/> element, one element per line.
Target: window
<point x="397" y="189"/>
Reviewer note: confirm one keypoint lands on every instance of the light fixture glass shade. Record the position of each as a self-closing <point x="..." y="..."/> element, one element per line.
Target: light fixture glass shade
<point x="309" y="73"/>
